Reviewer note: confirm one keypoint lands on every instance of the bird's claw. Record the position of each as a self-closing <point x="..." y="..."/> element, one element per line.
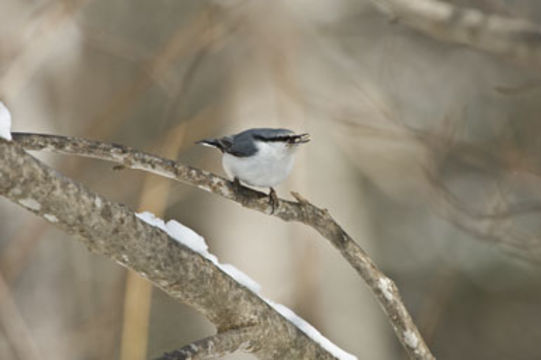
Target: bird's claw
<point x="236" y="185"/>
<point x="273" y="200"/>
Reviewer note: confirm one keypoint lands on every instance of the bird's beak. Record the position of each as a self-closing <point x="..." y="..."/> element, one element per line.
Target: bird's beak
<point x="302" y="138"/>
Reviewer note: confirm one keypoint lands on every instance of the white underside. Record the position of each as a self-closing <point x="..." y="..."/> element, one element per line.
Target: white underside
<point x="267" y="168"/>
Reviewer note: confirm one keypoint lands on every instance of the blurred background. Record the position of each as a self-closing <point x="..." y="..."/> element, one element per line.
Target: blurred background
<point x="428" y="153"/>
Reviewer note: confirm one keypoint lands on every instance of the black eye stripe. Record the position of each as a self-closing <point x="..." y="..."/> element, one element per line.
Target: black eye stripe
<point x="287" y="138"/>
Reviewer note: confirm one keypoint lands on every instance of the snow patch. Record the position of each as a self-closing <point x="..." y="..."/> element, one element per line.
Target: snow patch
<point x="241" y="277"/>
<point x="187" y="236"/>
<point x="152" y="219"/>
<point x="196" y="242"/>
<point x="51" y="218"/>
<point x="5" y="122"/>
<point x="411" y="339"/>
<point x="384" y="285"/>
<point x="30" y="204"/>
<point x="180" y="233"/>
<point x="310" y="331"/>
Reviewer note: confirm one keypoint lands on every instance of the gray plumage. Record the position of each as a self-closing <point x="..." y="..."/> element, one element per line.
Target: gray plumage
<point x="258" y="157"/>
<point x="243" y="143"/>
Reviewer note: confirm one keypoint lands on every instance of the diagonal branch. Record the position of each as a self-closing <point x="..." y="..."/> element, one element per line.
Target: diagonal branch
<point x="112" y="230"/>
<point x="302" y="211"/>
<point x="514" y="39"/>
<point x="216" y="346"/>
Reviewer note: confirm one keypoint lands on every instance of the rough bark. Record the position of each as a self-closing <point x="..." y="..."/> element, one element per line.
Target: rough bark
<point x="302" y="211"/>
<point x="112" y="230"/>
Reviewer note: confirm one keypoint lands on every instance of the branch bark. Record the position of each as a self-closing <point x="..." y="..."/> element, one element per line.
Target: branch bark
<point x="302" y="211"/>
<point x="216" y="346"/>
<point x="112" y="230"/>
<point x="514" y="39"/>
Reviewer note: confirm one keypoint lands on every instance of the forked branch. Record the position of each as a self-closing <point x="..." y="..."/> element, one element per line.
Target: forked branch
<point x="302" y="211"/>
<point x="113" y="230"/>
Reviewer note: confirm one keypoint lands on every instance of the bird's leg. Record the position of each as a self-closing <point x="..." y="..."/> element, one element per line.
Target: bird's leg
<point x="273" y="200"/>
<point x="240" y="191"/>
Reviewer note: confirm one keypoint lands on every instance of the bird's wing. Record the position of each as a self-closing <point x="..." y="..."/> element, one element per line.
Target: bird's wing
<point x="242" y="146"/>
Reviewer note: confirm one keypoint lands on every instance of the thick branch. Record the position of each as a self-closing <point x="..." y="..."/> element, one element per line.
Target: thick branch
<point x="514" y="39"/>
<point x="300" y="211"/>
<point x="216" y="346"/>
<point x="112" y="230"/>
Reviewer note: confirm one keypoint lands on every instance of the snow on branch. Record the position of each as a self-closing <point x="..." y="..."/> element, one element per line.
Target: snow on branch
<point x="514" y="39"/>
<point x="177" y="265"/>
<point x="5" y="122"/>
<point x="301" y="210"/>
<point x="196" y="242"/>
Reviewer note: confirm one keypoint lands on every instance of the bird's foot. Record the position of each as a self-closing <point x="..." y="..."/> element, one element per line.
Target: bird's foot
<point x="237" y="185"/>
<point x="240" y="191"/>
<point x="273" y="200"/>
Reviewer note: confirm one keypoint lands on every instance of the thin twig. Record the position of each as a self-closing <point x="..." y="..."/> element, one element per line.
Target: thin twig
<point x="511" y="38"/>
<point x="301" y="211"/>
<point x="492" y="226"/>
<point x="189" y="39"/>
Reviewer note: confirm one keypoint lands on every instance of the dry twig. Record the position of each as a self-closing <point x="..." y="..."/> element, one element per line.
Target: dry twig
<point x="514" y="39"/>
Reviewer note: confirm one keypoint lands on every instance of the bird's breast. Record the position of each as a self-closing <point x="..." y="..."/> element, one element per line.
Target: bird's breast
<point x="267" y="168"/>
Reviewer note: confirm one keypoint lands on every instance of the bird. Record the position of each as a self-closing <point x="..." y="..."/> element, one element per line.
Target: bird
<point x="259" y="157"/>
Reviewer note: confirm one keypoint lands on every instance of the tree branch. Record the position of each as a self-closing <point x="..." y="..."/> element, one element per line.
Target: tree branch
<point x="301" y="211"/>
<point x="514" y="39"/>
<point x="112" y="230"/>
<point x="216" y="346"/>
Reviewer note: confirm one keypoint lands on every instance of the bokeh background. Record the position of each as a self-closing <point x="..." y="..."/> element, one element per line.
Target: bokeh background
<point x="428" y="153"/>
